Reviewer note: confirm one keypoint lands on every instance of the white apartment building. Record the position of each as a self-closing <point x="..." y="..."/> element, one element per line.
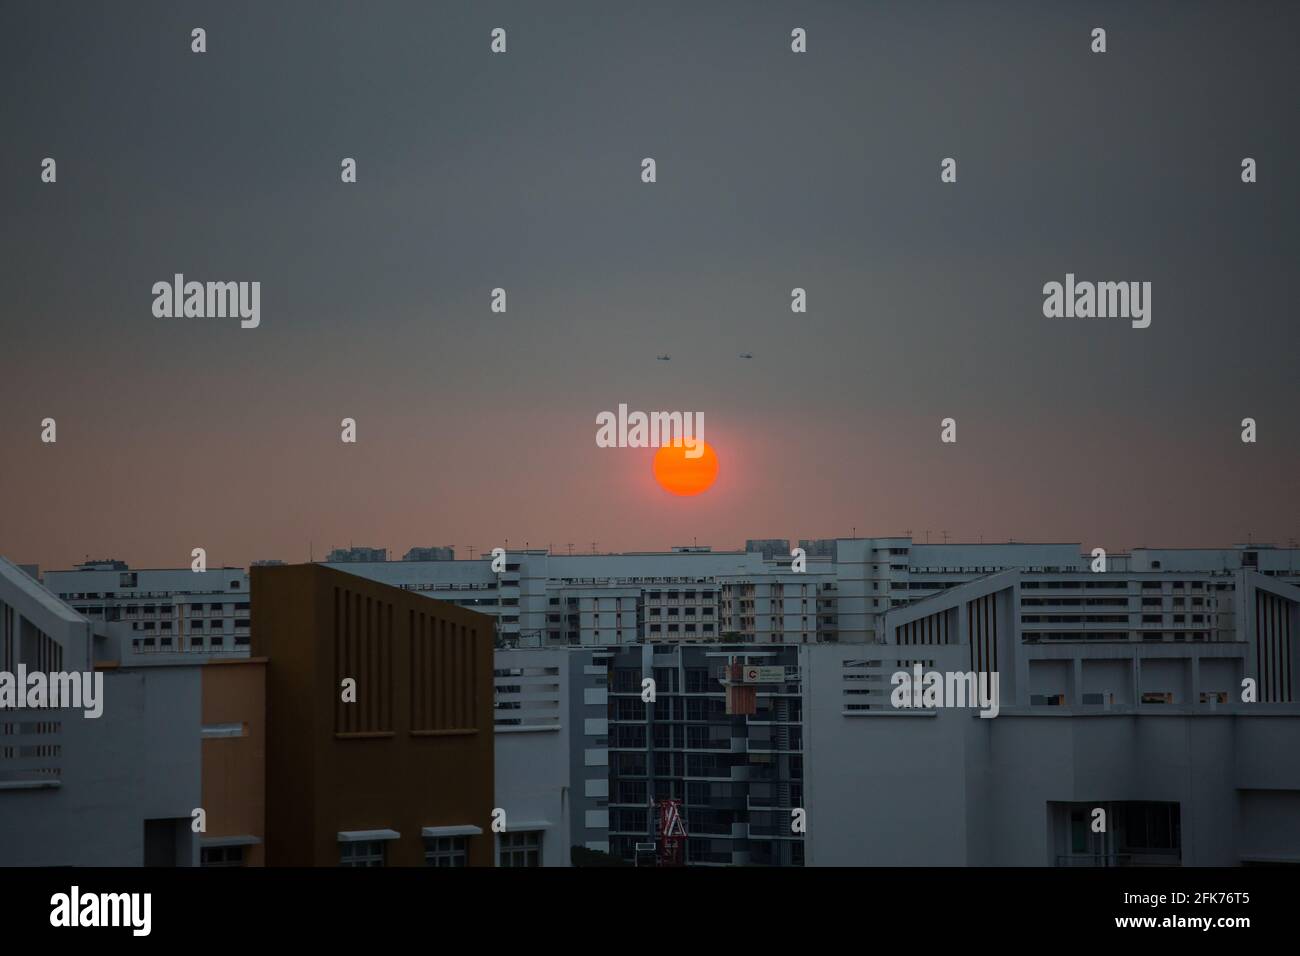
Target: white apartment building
<point x="683" y="613"/>
<point x="1142" y="719"/>
<point x="592" y="615"/>
<point x="531" y="754"/>
<point x="780" y="606"/>
<point x="169" y="611"/>
<point x="876" y="574"/>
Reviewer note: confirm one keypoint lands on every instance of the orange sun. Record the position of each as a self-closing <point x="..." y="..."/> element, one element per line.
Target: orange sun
<point x="685" y="476"/>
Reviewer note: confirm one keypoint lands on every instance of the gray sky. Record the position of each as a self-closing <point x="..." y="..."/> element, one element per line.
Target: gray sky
<point x="775" y="170"/>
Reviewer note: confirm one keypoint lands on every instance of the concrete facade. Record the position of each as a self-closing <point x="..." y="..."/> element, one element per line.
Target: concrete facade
<point x="378" y="773"/>
<point x="1156" y="734"/>
<point x="532" y="731"/>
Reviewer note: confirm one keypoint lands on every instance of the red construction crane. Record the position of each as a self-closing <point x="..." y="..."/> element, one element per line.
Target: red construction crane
<point x="672" y="834"/>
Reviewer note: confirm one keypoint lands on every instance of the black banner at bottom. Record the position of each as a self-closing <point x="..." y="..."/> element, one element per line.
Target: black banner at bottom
<point x="762" y="904"/>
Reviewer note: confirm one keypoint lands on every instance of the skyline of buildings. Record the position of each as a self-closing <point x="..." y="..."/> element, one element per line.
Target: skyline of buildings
<point x="689" y="594"/>
<point x="1163" y="691"/>
<point x="1113" y="696"/>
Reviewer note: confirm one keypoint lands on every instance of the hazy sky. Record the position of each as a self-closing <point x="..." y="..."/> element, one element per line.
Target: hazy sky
<point x="522" y="170"/>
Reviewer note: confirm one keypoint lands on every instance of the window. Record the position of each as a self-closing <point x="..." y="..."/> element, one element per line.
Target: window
<point x="1147" y="827"/>
<point x="221" y="856"/>
<point x="521" y="849"/>
<point x="631" y="792"/>
<point x="1078" y="832"/>
<point x="362" y="853"/>
<point x="446" y="851"/>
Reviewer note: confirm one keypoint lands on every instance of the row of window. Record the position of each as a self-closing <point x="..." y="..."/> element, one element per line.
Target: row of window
<point x="572" y="636"/>
<point x="1101" y="698"/>
<point x="522" y="848"/>
<point x="1034" y="636"/>
<point x="196" y="617"/>
<point x="134" y="610"/>
<point x="194" y="625"/>
<point x="214" y="640"/>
